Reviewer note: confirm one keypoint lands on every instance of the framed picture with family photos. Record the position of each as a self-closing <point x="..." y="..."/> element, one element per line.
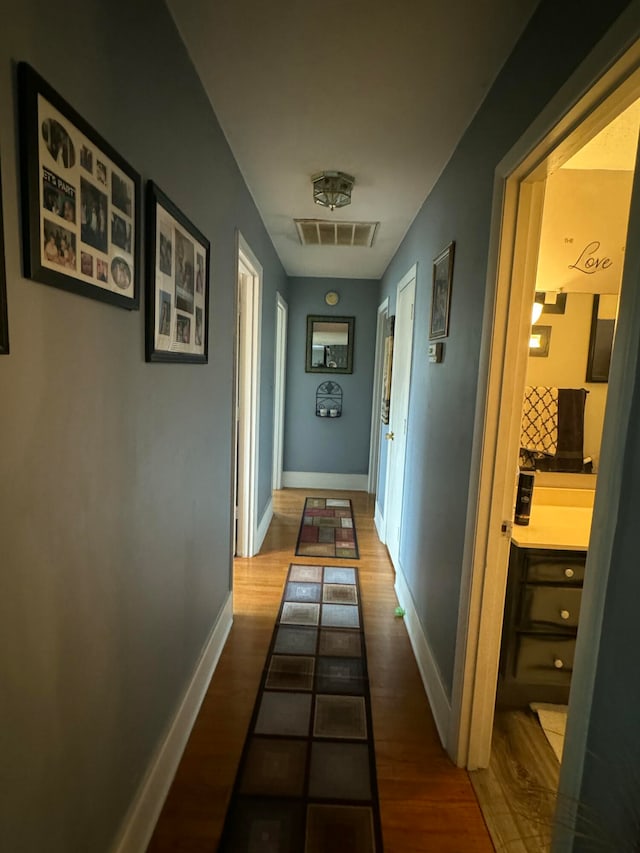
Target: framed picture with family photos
<point x="177" y="272"/>
<point x="81" y="201"/>
<point x="441" y="293"/>
<point x="4" y="323"/>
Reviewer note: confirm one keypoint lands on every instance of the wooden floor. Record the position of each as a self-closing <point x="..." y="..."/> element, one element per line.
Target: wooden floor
<point x="518" y="790"/>
<point x="427" y="804"/>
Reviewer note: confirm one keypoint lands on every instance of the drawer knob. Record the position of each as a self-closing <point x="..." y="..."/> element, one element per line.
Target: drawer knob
<point x="558" y="663"/>
<point x="569" y="573"/>
<point x="564" y="614"/>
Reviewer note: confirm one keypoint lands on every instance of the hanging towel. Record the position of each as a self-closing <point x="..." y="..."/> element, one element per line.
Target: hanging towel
<point x="540" y="419"/>
<point x="570" y="452"/>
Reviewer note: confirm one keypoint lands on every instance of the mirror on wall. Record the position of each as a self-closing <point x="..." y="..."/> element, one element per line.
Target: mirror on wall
<point x="329" y="344"/>
<point x="566" y="383"/>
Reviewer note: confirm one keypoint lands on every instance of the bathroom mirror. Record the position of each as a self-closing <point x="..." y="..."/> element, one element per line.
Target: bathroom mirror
<point x="329" y="344"/>
<point x="566" y="389"/>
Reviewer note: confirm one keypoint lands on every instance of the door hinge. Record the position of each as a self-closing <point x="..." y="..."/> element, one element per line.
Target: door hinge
<point x="506" y="528"/>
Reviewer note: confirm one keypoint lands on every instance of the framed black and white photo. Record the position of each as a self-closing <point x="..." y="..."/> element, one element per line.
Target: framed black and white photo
<point x="4" y="322"/>
<point x="80" y="201"/>
<point x="441" y="293"/>
<point x="177" y="272"/>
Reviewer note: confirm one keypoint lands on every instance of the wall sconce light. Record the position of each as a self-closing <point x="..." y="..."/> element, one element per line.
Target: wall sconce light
<point x="538" y="305"/>
<point x="549" y="302"/>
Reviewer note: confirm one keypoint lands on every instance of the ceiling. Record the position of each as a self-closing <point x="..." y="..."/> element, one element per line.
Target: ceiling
<point x="383" y="91"/>
<point x="614" y="148"/>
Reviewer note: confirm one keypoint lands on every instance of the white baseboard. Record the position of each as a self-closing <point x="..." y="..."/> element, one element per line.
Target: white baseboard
<point x="337" y="482"/>
<point x="265" y="521"/>
<point x="431" y="679"/>
<point x="378" y="520"/>
<point x="139" y="823"/>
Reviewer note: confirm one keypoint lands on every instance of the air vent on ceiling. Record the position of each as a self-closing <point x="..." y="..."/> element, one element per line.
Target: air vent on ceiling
<point x="325" y="232"/>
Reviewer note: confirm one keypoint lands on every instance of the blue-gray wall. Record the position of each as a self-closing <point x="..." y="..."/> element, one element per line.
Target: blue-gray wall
<point x="313" y="444"/>
<point x="443" y="396"/>
<point x="115" y="520"/>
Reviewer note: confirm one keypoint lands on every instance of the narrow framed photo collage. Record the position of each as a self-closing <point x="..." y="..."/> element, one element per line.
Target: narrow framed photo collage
<point x="177" y="305"/>
<point x="81" y="218"/>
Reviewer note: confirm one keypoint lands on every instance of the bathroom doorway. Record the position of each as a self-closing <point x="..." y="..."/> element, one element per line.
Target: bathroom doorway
<point x="522" y="274"/>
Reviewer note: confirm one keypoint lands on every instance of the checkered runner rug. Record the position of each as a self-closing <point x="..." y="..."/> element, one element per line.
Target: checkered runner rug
<point x="307" y="781"/>
<point x="327" y="529"/>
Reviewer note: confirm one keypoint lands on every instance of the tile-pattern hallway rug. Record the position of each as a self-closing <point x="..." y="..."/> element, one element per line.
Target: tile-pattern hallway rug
<point x="327" y="529"/>
<point x="306" y="782"/>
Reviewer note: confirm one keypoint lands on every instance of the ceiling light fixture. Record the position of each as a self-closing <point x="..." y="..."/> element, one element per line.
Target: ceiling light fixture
<point x="332" y="189"/>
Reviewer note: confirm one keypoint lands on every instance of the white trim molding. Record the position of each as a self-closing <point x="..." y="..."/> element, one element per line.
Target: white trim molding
<point x="338" y="482"/>
<point x="139" y="823"/>
<point x="378" y="520"/>
<point x="250" y="306"/>
<point x="263" y="527"/>
<point x="376" y="402"/>
<point x="429" y="672"/>
<point x="279" y="390"/>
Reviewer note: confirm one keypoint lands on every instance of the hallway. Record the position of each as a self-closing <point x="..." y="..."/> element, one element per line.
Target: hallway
<point x="426" y="803"/>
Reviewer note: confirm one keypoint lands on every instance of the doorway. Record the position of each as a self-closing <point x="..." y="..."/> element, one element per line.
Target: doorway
<point x="247" y="371"/>
<point x="577" y="250"/>
<point x="396" y="434"/>
<point x="521" y="183"/>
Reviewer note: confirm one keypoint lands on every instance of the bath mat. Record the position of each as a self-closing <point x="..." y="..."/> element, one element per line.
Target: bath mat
<point x="327" y="529"/>
<point x="553" y="719"/>
<point x="306" y="782"/>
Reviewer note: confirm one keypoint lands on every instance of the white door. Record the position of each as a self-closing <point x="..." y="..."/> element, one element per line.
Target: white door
<point x="396" y="434"/>
<point x="279" y="390"/>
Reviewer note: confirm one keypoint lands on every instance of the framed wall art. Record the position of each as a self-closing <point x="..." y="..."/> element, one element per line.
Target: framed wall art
<point x="80" y="201"/>
<point x="539" y="341"/>
<point x="441" y="293"/>
<point x="177" y="270"/>
<point x="4" y="322"/>
<point x="387" y="364"/>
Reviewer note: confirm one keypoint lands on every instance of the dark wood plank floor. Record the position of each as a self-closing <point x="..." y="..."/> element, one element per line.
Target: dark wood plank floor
<point x="427" y="804"/>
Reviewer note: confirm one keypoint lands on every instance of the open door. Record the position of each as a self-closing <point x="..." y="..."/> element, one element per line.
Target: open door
<point x="396" y="433"/>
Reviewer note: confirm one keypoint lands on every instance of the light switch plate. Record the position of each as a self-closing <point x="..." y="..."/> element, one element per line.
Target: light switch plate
<point x="435" y="352"/>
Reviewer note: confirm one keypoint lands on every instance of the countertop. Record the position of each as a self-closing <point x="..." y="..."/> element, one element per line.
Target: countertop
<point x="555" y="527"/>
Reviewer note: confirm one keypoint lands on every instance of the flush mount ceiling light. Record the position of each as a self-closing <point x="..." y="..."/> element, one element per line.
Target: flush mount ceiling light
<point x="332" y="189"/>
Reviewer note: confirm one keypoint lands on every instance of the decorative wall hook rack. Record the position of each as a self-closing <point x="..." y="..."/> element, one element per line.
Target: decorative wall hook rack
<point x="328" y="400"/>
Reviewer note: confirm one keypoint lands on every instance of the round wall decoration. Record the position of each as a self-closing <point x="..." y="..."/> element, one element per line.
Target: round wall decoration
<point x="332" y="297"/>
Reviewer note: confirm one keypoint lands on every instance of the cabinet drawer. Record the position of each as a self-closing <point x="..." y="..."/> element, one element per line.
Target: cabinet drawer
<point x="547" y="660"/>
<point x="550" y="605"/>
<point x="545" y="568"/>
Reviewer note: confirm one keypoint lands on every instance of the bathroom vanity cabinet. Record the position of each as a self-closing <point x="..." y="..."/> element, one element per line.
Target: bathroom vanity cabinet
<point x="544" y="590"/>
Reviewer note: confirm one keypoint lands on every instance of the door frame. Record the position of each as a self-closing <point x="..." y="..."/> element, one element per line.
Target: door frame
<point x="280" y="385"/>
<point x="249" y="304"/>
<point x="492" y="484"/>
<point x="405" y="281"/>
<point x="376" y="402"/>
